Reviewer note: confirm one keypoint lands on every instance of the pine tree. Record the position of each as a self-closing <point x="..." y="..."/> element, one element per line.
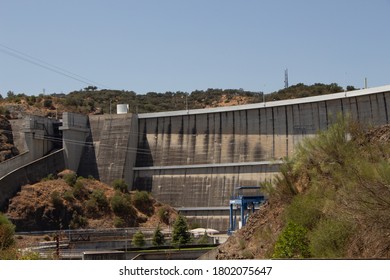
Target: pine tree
<point x="158" y="237"/>
<point x="180" y="235"/>
<point x="138" y="239"/>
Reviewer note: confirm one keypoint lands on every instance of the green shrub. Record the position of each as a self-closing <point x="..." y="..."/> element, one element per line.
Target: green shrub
<point x="70" y="179"/>
<point x="292" y="243"/>
<point x="138" y="239"/>
<point x="49" y="177"/>
<point x="329" y="238"/>
<point x="78" y="221"/>
<point x="121" y="204"/>
<point x="305" y="210"/>
<point x="143" y="202"/>
<point x="68" y="196"/>
<point x="48" y="103"/>
<point x="79" y="191"/>
<point x="56" y="200"/>
<point x="120" y="185"/>
<point x="119" y="222"/>
<point x="100" y="198"/>
<point x="92" y="208"/>
<point x="163" y="214"/>
<point x="7" y="232"/>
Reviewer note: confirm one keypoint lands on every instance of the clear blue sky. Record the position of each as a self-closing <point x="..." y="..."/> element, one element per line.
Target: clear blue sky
<point x="184" y="45"/>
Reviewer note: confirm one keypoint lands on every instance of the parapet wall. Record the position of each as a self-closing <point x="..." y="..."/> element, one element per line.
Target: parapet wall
<point x="11" y="183"/>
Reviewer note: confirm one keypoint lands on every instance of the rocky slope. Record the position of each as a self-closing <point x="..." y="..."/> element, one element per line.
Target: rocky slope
<point x="7" y="148"/>
<point x="53" y="204"/>
<point x="369" y="239"/>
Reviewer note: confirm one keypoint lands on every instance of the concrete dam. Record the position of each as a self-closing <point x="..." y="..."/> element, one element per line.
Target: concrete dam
<point x="194" y="159"/>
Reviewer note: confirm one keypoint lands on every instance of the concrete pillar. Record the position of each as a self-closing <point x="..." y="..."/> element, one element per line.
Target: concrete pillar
<point x="38" y="133"/>
<point x="74" y="133"/>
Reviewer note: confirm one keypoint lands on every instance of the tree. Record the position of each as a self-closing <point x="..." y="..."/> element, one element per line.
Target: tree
<point x="204" y="239"/>
<point x="7" y="231"/>
<point x="92" y="88"/>
<point x="180" y="235"/>
<point x="138" y="239"/>
<point x="158" y="237"/>
<point x="10" y="94"/>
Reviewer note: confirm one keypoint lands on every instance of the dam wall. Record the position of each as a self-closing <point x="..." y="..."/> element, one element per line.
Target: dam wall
<point x="34" y="136"/>
<point x="111" y="147"/>
<point x="30" y="173"/>
<point x="195" y="158"/>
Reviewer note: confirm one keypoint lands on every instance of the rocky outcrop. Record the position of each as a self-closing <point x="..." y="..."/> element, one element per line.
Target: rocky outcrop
<point x="7" y="148"/>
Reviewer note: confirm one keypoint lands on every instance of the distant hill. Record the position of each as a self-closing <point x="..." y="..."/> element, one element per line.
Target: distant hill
<point x="93" y="101"/>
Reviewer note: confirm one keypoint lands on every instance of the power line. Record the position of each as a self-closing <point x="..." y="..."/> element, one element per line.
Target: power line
<point x="40" y="63"/>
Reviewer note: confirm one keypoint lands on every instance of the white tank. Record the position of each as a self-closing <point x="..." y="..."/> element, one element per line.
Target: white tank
<point x="122" y="108"/>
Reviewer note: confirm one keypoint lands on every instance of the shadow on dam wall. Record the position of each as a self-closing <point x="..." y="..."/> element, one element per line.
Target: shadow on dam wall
<point x="111" y="147"/>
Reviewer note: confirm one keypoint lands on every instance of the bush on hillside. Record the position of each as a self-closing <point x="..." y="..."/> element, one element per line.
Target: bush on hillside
<point x="143" y="202"/>
<point x="120" y="185"/>
<point x="7" y="232"/>
<point x="292" y="243"/>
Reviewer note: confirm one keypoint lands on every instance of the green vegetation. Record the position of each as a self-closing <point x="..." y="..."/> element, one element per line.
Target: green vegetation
<point x="158" y="238"/>
<point x="92" y="100"/>
<point x="163" y="214"/>
<point x="335" y="188"/>
<point x="49" y="177"/>
<point x="56" y="200"/>
<point x="138" y="239"/>
<point x="7" y="231"/>
<point x="301" y="90"/>
<point x="180" y="234"/>
<point x="120" y="185"/>
<point x="70" y="179"/>
<point x="78" y="221"/>
<point x="292" y="243"/>
<point x="101" y="199"/>
<point x="79" y="190"/>
<point x="204" y="239"/>
<point x="121" y="204"/>
<point x="143" y="202"/>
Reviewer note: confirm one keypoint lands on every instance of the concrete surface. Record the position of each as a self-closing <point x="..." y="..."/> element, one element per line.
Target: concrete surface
<point x="110" y="151"/>
<point x="173" y="146"/>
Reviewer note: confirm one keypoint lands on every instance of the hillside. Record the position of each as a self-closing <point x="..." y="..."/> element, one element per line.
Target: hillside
<point x="93" y="101"/>
<point x="69" y="202"/>
<point x="331" y="201"/>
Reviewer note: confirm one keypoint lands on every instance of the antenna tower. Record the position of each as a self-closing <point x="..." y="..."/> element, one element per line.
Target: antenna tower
<point x="286" y="78"/>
